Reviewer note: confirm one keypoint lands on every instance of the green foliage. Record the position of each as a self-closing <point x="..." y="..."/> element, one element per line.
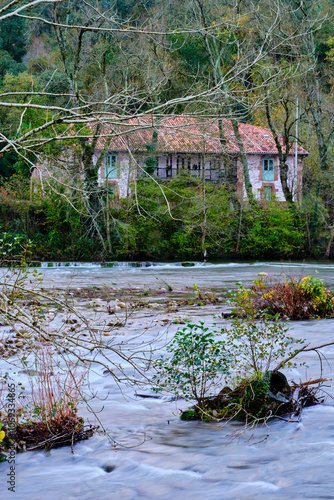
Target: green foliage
<point x="9" y="65"/>
<point x="199" y="361"/>
<point x="12" y="37"/>
<point x="196" y="363"/>
<point x="188" y="415"/>
<point x="257" y="344"/>
<point x="7" y="165"/>
<point x="156" y="231"/>
<point x="130" y="8"/>
<point x="190" y="52"/>
<point x="14" y="247"/>
<point x="272" y="230"/>
<point x="54" y="83"/>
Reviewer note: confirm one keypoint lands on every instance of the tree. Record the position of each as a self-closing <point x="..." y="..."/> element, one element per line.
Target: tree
<point x="315" y="88"/>
<point x="105" y="69"/>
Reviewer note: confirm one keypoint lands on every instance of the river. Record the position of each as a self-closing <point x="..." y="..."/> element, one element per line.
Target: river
<point x="161" y="457"/>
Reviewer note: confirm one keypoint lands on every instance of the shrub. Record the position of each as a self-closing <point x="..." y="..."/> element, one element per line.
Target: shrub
<point x="295" y="299"/>
<point x="274" y="230"/>
<point x="48" y="418"/>
<point x="200" y="361"/>
<point x="196" y="364"/>
<point x="55" y="394"/>
<point x="14" y="247"/>
<point x="256" y="345"/>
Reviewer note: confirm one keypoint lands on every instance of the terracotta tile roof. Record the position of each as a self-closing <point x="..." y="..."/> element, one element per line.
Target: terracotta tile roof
<point x="182" y="134"/>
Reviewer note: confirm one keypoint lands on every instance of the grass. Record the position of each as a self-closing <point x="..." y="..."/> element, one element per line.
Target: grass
<point x="49" y="416"/>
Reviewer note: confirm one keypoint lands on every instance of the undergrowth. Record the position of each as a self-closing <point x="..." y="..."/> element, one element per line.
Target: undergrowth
<point x="293" y="298"/>
<point x="48" y="417"/>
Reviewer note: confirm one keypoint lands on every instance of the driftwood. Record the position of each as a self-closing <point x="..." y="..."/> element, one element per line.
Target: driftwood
<point x="316" y="381"/>
<point x="41" y="435"/>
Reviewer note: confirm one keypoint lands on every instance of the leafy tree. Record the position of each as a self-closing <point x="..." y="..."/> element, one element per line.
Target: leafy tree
<point x="12" y="37"/>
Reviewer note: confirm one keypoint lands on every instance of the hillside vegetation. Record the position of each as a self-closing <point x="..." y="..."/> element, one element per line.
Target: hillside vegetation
<point x="65" y="64"/>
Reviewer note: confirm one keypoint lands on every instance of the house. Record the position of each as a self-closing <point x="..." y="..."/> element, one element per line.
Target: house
<point x="164" y="146"/>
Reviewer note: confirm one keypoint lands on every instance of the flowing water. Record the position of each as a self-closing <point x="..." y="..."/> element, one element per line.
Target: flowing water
<point x="187" y="460"/>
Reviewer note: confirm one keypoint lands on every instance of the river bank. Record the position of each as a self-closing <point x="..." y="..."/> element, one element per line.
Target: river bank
<point x="158" y="455"/>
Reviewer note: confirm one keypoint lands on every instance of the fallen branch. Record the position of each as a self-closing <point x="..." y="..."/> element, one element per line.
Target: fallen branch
<point x="316" y="381"/>
<point x="303" y="349"/>
<point x="282" y="363"/>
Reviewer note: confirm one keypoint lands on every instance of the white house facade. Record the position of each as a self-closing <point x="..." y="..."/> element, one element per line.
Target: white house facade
<point x="166" y="146"/>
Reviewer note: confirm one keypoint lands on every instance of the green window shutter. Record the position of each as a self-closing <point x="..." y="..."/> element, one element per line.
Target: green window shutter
<point x="110" y="164"/>
<point x="268" y="172"/>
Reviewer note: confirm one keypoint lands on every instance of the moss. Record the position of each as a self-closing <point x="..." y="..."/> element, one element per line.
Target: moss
<point x="266" y="396"/>
<point x="188" y="415"/>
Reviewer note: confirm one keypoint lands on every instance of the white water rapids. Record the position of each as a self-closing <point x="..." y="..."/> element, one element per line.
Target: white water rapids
<point x="186" y="460"/>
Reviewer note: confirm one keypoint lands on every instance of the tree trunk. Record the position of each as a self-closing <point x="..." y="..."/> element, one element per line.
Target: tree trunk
<point x="90" y="171"/>
<point x="282" y="155"/>
<point x="244" y="161"/>
<point x="328" y="249"/>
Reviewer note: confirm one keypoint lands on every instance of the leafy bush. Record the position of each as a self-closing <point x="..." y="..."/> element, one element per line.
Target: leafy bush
<point x="274" y="230"/>
<point x="295" y="299"/>
<point x="255" y="345"/>
<point x="200" y="361"/>
<point x="197" y="363"/>
<point x="14" y="247"/>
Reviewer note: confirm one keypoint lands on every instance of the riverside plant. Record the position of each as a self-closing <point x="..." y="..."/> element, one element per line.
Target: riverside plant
<point x="48" y="417"/>
<point x="231" y="371"/>
<point x="199" y="360"/>
<point x="196" y="363"/>
<point x="48" y="321"/>
<point x="293" y="298"/>
<point x="257" y="344"/>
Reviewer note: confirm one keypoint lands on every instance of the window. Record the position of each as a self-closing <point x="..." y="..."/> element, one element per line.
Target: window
<point x="169" y="161"/>
<point x="169" y="165"/>
<point x="179" y="163"/>
<point x="216" y="170"/>
<point x="267" y="193"/>
<point x="268" y="169"/>
<point x="110" y="164"/>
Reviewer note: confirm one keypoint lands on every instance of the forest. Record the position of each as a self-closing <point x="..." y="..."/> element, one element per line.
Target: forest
<point x="64" y="64"/>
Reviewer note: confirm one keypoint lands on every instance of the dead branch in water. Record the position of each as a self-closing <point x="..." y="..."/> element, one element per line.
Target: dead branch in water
<point x="316" y="381"/>
<point x="303" y="349"/>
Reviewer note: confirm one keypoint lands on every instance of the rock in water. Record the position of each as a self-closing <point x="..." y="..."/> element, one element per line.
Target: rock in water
<point x="279" y="388"/>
